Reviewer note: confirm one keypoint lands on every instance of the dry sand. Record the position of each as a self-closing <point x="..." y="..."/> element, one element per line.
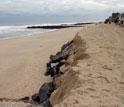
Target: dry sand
<point x="95" y="76"/>
<point x="23" y="61"/>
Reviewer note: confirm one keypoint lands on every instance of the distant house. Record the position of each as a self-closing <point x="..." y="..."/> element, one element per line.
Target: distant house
<point x="121" y="19"/>
<point x="117" y="18"/>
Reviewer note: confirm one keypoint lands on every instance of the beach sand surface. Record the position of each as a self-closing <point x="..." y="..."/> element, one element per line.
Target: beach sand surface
<point x="93" y="76"/>
<point x="23" y="61"/>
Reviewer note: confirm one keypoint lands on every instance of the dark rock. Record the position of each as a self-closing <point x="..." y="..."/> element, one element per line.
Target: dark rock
<point x="84" y="23"/>
<point x="52" y="86"/>
<point x="52" y="56"/>
<point x="60" y="64"/>
<point x="36" y="97"/>
<point x="55" y="63"/>
<point x="67" y="45"/>
<point x="46" y="90"/>
<point x="58" y="53"/>
<point x="52" y="27"/>
<point x="57" y="70"/>
<point x="46" y="104"/>
<point x="58" y="58"/>
<point x="59" y="26"/>
<point x="52" y="71"/>
<point x="47" y="73"/>
<point x="24" y="99"/>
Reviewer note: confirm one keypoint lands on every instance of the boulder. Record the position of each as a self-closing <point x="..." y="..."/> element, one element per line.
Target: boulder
<point x="53" y="68"/>
<point x="36" y="97"/>
<point x="47" y="73"/>
<point x="46" y="90"/>
<point x="58" y="58"/>
<point x="66" y="46"/>
<point x="46" y="104"/>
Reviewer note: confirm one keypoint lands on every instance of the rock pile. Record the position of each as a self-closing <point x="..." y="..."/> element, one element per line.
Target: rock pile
<point x="56" y="61"/>
<point x="52" y="69"/>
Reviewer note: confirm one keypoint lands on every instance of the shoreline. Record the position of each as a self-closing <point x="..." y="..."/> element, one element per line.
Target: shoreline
<point x="27" y="35"/>
<point x="50" y="27"/>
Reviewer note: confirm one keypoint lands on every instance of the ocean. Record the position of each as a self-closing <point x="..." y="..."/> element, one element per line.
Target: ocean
<point x="8" y="30"/>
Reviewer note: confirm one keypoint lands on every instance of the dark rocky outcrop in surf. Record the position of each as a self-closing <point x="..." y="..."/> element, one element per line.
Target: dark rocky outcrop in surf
<point x="52" y="27"/>
<point x="58" y="26"/>
<point x="84" y="23"/>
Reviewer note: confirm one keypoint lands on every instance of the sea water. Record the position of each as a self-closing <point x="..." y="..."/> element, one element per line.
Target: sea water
<point x="8" y="30"/>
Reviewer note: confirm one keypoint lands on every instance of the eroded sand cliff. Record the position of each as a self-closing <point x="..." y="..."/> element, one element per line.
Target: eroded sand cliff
<point x="94" y="76"/>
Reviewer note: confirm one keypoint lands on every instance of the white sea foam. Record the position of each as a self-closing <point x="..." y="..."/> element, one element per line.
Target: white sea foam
<point x="12" y="31"/>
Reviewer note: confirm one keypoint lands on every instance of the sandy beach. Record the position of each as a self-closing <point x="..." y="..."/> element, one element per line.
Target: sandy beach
<point x="23" y="61"/>
<point x="93" y="72"/>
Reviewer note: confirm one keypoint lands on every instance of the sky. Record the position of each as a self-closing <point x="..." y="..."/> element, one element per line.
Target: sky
<point x="58" y="10"/>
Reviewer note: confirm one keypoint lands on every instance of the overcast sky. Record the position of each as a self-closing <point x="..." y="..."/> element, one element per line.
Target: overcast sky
<point x="58" y="9"/>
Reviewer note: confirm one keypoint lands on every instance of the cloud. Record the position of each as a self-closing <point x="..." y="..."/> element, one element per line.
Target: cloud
<point x="60" y="7"/>
<point x="56" y="6"/>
